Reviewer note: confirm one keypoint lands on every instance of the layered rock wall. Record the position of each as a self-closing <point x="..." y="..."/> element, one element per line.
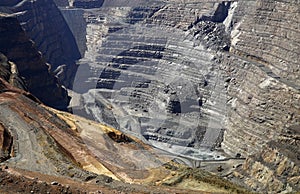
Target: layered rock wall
<point x="19" y="49"/>
<point x="260" y="107"/>
<point x="264" y="74"/>
<point x="276" y="168"/>
<point x="263" y="93"/>
<point x="46" y="26"/>
<point x="151" y="80"/>
<point x="271" y="34"/>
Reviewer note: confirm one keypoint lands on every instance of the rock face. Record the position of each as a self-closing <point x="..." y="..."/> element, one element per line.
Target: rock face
<point x="88" y="4"/>
<point x="265" y="97"/>
<point x="181" y="73"/>
<point x="19" y="49"/>
<point x="275" y="169"/>
<point x="9" y="73"/>
<point x="78" y="26"/>
<point x="141" y="80"/>
<point x="263" y="89"/>
<point x="60" y="149"/>
<point x="51" y="36"/>
<point x="188" y="77"/>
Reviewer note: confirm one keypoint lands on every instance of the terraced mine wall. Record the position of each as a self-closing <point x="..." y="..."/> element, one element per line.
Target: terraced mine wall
<point x="139" y="79"/>
<point x="32" y="67"/>
<point x="64" y="151"/>
<point x="194" y="78"/>
<point x="182" y="73"/>
<point x="263" y="120"/>
<point x="51" y="36"/>
<point x="266" y="100"/>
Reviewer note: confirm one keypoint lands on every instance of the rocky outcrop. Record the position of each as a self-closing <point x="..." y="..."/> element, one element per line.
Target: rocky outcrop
<point x="276" y="168"/>
<point x="9" y="72"/>
<point x="25" y="59"/>
<point x="51" y="36"/>
<point x="185" y="14"/>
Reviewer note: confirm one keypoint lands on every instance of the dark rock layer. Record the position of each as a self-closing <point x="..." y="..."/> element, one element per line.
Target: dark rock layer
<point x="62" y="3"/>
<point x="18" y="48"/>
<point x="46" y="26"/>
<point x="88" y="4"/>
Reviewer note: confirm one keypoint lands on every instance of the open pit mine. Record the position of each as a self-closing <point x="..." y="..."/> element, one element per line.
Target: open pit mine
<point x="149" y="96"/>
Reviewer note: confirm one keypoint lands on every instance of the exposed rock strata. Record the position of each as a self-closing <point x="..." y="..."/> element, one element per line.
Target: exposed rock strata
<point x="184" y="14"/>
<point x="276" y="168"/>
<point x="264" y="76"/>
<point x="39" y="142"/>
<point x="30" y="64"/>
<point x="51" y="36"/>
<point x="259" y="67"/>
<point x="263" y="88"/>
<point x="140" y="79"/>
<point x="167" y="73"/>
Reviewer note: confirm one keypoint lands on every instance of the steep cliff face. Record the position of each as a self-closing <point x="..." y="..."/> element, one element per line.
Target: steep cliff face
<point x="46" y="26"/>
<point x="274" y="35"/>
<point x="78" y="25"/>
<point x="264" y="76"/>
<point x="263" y="93"/>
<point x="18" y="48"/>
